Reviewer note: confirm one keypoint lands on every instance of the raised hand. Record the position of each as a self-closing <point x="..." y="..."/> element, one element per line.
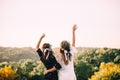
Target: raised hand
<point x="43" y="35"/>
<point x="73" y="35"/>
<point x="39" y="42"/>
<point x="74" y="27"/>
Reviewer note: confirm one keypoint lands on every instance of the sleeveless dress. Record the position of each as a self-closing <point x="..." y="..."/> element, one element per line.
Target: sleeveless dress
<point x="67" y="71"/>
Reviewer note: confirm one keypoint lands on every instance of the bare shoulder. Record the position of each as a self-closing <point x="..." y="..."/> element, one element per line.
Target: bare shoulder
<point x="59" y="57"/>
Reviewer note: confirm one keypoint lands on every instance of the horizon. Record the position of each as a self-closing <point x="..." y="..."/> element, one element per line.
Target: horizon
<point x="57" y="47"/>
<point x="23" y="21"/>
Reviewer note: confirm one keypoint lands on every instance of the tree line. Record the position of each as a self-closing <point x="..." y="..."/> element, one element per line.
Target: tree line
<point x="90" y="64"/>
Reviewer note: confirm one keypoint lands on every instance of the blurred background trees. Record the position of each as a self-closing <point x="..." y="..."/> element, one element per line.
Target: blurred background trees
<point x="90" y="64"/>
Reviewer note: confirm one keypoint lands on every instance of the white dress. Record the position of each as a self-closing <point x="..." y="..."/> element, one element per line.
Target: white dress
<point x="67" y="71"/>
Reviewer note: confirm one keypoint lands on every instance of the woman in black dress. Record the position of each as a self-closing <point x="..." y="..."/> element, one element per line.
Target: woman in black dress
<point x="48" y="59"/>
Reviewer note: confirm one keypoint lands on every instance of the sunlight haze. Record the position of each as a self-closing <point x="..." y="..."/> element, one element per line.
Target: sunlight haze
<point x="22" y="22"/>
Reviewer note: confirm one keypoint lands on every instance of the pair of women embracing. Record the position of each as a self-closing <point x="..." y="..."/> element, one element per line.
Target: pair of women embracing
<point x="63" y="67"/>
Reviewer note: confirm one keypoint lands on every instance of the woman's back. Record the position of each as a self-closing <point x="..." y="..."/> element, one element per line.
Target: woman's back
<point x="66" y="58"/>
<point x="67" y="71"/>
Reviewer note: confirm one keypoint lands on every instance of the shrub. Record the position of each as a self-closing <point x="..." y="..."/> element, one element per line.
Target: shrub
<point x="7" y="73"/>
<point x="107" y="71"/>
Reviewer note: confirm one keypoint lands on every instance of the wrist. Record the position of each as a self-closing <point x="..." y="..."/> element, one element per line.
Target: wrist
<point x="41" y="37"/>
<point x="48" y="71"/>
<point x="73" y="30"/>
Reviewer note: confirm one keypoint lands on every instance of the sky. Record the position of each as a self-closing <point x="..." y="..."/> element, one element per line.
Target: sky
<point x="22" y="22"/>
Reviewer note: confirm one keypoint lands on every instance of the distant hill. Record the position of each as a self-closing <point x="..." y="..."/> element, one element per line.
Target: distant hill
<point x="15" y="54"/>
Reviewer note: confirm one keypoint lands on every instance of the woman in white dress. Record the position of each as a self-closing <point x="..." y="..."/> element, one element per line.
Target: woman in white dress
<point x="66" y="58"/>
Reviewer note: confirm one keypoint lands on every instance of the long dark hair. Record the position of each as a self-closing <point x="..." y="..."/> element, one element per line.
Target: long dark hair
<point x="65" y="46"/>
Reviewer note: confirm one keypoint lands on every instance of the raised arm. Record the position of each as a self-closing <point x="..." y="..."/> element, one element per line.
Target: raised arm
<point x="39" y="42"/>
<point x="73" y="35"/>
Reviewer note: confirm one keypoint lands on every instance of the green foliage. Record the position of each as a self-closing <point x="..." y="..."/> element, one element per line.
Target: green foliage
<point x="30" y="69"/>
<point x="88" y="62"/>
<point x="83" y="68"/>
<point x="27" y="69"/>
<point x="28" y="66"/>
<point x="107" y="71"/>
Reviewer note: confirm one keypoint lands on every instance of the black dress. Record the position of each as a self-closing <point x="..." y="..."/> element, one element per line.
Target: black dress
<point x="49" y="63"/>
